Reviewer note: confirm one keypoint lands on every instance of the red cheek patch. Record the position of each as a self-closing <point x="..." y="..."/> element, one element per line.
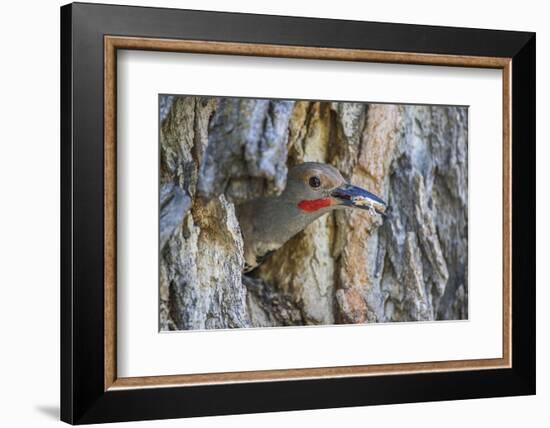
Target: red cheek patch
<point x="314" y="205"/>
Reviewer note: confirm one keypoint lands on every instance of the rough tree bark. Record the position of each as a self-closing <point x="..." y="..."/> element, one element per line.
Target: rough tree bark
<point x="347" y="267"/>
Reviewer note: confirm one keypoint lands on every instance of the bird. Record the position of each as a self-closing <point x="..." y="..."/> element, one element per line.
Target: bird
<point x="312" y="190"/>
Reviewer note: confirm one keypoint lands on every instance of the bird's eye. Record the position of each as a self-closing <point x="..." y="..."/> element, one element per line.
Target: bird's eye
<point x="314" y="181"/>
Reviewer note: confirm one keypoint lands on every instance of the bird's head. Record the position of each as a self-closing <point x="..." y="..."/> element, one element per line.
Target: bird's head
<point x="319" y="187"/>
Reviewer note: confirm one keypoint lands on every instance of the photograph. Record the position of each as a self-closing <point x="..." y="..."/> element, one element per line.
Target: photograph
<point x="236" y="214"/>
<point x="293" y="212"/>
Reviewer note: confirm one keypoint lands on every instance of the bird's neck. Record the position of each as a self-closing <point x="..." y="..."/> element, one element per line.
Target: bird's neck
<point x="283" y="219"/>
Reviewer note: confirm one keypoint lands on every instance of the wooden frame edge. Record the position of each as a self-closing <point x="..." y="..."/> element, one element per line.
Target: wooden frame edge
<point x="301" y="52"/>
<point x="109" y="198"/>
<point x="507" y="213"/>
<point x="298" y="374"/>
<point x="112" y="43"/>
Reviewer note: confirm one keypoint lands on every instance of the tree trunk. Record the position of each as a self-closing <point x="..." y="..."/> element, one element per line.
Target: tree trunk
<point x="346" y="267"/>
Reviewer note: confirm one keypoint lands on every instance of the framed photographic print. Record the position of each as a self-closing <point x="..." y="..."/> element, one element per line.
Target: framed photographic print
<point x="265" y="213"/>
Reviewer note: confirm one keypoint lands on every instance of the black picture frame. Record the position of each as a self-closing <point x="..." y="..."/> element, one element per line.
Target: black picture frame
<point x="83" y="398"/>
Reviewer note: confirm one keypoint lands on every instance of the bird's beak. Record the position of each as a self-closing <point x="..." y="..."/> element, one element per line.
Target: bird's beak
<point x="353" y="196"/>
